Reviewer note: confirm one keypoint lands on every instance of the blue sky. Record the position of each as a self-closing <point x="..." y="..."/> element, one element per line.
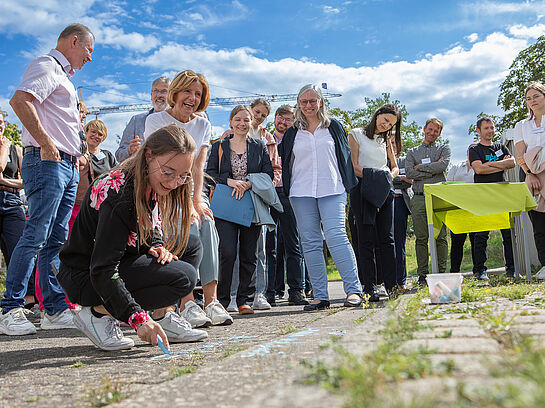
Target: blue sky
<point x="439" y="58"/>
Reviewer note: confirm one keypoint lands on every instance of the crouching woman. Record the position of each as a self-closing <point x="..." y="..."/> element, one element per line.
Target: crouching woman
<point x="116" y="263"/>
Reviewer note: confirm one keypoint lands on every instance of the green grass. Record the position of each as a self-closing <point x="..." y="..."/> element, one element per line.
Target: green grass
<point x="108" y="391"/>
<point x="2" y="281"/>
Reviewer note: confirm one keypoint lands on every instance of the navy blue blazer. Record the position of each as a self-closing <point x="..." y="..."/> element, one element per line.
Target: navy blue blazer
<point x="258" y="159"/>
<point x="342" y="151"/>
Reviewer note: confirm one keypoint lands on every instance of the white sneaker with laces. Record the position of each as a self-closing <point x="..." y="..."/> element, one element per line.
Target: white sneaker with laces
<point x="15" y="323"/>
<point x="104" y="332"/>
<point x="217" y="314"/>
<point x="61" y="320"/>
<point x="260" y="302"/>
<point x="541" y="274"/>
<point x="232" y="307"/>
<point x="195" y="315"/>
<point x="179" y="330"/>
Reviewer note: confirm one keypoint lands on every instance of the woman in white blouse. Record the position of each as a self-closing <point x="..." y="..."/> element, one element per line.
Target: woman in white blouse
<point x="372" y="200"/>
<point x="188" y="96"/>
<point x="530" y="133"/>
<point x="316" y="174"/>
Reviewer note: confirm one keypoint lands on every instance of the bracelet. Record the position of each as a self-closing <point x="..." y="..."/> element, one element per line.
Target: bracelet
<point x="137" y="319"/>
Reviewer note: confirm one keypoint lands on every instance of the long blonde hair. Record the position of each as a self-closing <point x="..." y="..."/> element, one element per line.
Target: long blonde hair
<point x="177" y="203"/>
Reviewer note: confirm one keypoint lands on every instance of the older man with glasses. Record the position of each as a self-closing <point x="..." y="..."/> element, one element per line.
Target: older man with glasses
<point x="134" y="132"/>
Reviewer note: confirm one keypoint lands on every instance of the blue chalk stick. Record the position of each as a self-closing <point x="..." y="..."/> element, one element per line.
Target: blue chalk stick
<point x="162" y="346"/>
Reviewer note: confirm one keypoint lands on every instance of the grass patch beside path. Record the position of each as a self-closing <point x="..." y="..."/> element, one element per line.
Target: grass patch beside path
<point x="2" y="281"/>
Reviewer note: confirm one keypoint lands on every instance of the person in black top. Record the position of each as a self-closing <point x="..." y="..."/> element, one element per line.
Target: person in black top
<point x="116" y="263"/>
<point x="489" y="160"/>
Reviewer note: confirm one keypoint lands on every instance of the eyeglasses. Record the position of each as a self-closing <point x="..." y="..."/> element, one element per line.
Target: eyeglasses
<point x="534" y="98"/>
<point x="304" y="102"/>
<point x="159" y="91"/>
<point x="180" y="180"/>
<point x="284" y="119"/>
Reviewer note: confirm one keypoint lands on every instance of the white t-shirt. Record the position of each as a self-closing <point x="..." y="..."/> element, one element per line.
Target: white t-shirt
<point x="460" y="173"/>
<point x="56" y="101"/>
<point x="315" y="172"/>
<point x="199" y="128"/>
<point x="371" y="152"/>
<point x="527" y="131"/>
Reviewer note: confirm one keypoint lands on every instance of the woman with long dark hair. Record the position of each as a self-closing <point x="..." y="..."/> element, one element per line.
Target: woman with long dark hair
<point x="121" y="258"/>
<point x="372" y="200"/>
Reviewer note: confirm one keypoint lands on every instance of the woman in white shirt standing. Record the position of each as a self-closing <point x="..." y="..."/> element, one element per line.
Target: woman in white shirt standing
<point x="530" y="133"/>
<point x="372" y="201"/>
<point x="188" y="95"/>
<point x="316" y="174"/>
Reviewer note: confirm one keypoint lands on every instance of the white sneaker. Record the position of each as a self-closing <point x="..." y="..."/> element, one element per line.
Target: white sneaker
<point x="195" y="315"/>
<point x="61" y="320"/>
<point x="233" y="305"/>
<point x="217" y="314"/>
<point x="178" y="330"/>
<point x="541" y="274"/>
<point x="15" y="323"/>
<point x="260" y="303"/>
<point x="104" y="332"/>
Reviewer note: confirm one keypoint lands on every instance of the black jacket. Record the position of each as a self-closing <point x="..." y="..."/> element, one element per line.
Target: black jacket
<point x="258" y="160"/>
<point x="342" y="151"/>
<point x="376" y="189"/>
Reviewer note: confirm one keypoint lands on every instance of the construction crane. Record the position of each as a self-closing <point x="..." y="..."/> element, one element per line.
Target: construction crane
<point x="237" y="100"/>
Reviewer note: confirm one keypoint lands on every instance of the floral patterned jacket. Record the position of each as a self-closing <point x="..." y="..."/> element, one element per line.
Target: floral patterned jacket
<point x="104" y="232"/>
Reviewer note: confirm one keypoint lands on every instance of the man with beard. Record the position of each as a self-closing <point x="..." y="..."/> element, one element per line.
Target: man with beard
<point x="134" y="132"/>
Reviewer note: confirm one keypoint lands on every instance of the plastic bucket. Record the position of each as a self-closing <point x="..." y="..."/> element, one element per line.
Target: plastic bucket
<point x="445" y="287"/>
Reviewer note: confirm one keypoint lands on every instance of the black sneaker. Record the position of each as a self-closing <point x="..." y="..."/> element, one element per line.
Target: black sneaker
<point x="297" y="299"/>
<point x="271" y="299"/>
<point x="422" y="281"/>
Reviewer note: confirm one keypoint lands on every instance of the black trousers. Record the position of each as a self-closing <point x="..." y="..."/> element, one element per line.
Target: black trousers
<point x="457" y="250"/>
<point x="381" y="234"/>
<point x="151" y="284"/>
<point x="230" y="233"/>
<point x="480" y="256"/>
<point x="538" y="223"/>
<point x="287" y="233"/>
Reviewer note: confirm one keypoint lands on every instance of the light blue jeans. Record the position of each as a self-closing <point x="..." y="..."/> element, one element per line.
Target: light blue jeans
<point x="51" y="188"/>
<point x="330" y="212"/>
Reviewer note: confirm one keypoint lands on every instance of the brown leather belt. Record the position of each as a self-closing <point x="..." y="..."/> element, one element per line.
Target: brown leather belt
<point x="9" y="189"/>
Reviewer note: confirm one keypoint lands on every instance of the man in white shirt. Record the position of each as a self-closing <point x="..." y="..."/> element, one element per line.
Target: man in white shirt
<point x="46" y="103"/>
<point x="134" y="132"/>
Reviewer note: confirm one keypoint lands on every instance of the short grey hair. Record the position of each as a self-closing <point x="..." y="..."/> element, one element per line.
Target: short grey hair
<point x="79" y="30"/>
<point x="300" y="121"/>
<point x="165" y="80"/>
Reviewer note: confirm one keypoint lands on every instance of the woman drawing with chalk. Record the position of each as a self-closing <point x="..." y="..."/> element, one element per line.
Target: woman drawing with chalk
<point x="116" y="263"/>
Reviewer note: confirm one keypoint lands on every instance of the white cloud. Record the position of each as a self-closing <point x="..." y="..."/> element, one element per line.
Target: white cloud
<point x="472" y="37"/>
<point x="454" y="85"/>
<point x="521" y="31"/>
<point x="49" y="17"/>
<point x="330" y="10"/>
<point x="200" y="17"/>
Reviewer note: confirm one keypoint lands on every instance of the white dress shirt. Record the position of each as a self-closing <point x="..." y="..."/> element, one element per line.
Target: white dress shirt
<point x="315" y="172"/>
<point x="56" y="101"/>
<point x="527" y="131"/>
<point x="371" y="152"/>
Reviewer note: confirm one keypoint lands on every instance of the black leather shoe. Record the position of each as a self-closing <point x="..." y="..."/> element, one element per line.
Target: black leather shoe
<point x="353" y="302"/>
<point x="297" y="299"/>
<point x="271" y="300"/>
<point x="311" y="307"/>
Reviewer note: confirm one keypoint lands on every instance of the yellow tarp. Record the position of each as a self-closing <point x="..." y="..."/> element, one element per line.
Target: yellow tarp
<point x="475" y="207"/>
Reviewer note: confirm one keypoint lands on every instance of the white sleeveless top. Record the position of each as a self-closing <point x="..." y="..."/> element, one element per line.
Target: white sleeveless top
<point x="372" y="152"/>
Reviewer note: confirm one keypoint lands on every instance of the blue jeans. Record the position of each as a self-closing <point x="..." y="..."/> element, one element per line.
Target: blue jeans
<point x="401" y="213"/>
<point x="50" y="187"/>
<point x="12" y="221"/>
<point x="330" y="212"/>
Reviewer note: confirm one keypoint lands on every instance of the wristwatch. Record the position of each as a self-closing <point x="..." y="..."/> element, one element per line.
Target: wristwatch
<point x="529" y="171"/>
